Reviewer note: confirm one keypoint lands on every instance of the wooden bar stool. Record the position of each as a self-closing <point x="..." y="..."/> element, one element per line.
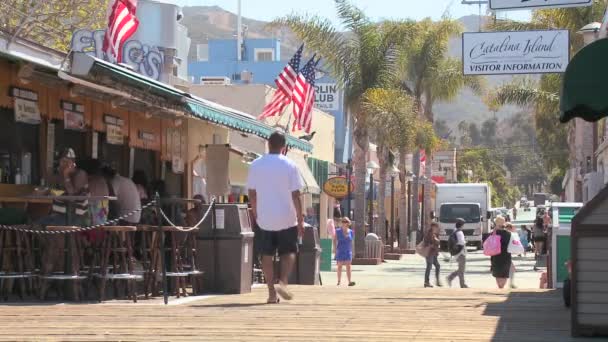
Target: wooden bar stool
<point x="62" y="260"/>
<point x="114" y="261"/>
<point x="16" y="263"/>
<point x="181" y="261"/>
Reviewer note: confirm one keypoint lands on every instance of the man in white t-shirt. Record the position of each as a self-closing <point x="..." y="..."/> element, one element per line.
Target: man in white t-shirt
<point x="274" y="185"/>
<point x="461" y="255"/>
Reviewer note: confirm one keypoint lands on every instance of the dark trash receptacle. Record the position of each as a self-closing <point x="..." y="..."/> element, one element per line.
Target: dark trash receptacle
<point x="225" y="253"/>
<point x="308" y="260"/>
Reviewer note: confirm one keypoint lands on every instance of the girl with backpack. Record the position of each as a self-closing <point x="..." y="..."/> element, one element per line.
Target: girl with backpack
<point x="501" y="263"/>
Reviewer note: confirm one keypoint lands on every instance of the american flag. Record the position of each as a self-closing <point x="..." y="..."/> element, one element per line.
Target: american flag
<point x="122" y="24"/>
<point x="422" y="162"/>
<point x="285" y="83"/>
<point x="304" y="96"/>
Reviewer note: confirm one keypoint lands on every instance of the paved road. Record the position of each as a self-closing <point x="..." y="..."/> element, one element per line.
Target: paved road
<point x="409" y="273"/>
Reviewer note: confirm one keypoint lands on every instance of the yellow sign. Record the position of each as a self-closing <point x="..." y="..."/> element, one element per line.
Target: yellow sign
<point x="337" y="187"/>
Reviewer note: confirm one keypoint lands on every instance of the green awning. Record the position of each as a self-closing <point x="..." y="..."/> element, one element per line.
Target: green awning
<point x="223" y="116"/>
<point x="585" y="85"/>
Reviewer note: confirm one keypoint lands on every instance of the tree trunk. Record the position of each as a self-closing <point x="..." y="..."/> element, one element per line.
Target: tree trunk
<point x="415" y="199"/>
<point x="361" y="140"/>
<point x="403" y="224"/>
<point x="381" y="223"/>
<point x="428" y="172"/>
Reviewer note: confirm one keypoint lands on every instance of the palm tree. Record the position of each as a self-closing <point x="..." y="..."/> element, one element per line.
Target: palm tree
<point x="361" y="58"/>
<point x="393" y="124"/>
<point x="429" y="75"/>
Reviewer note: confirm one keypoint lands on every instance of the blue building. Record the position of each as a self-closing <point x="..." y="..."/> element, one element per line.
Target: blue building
<point x="258" y="61"/>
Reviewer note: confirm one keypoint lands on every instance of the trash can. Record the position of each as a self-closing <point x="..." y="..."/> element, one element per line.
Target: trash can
<point x="225" y="250"/>
<point x="374" y="247"/>
<point x="308" y="260"/>
<point x="306" y="270"/>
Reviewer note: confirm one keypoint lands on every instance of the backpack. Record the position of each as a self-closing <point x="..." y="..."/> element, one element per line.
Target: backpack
<point x="493" y="245"/>
<point x="453" y="243"/>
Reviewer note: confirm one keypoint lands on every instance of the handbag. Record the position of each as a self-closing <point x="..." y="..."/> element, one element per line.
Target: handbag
<point x="515" y="246"/>
<point x="492" y="245"/>
<point x="423" y="249"/>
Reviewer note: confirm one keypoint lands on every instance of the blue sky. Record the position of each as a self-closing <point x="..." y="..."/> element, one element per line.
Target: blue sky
<point x="376" y="9"/>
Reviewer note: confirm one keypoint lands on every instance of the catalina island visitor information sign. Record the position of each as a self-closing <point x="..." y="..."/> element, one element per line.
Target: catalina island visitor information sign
<point x="515" y="52"/>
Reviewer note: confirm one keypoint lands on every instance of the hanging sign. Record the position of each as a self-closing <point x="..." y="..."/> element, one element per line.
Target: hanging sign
<point x="27" y="111"/>
<point x="114" y="135"/>
<point x="515" y="52"/>
<point x="73" y="116"/>
<point x="505" y="5"/>
<point x="327" y="96"/>
<point x="337" y="187"/>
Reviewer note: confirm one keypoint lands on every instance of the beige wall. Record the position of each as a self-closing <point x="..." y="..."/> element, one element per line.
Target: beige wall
<point x="200" y="133"/>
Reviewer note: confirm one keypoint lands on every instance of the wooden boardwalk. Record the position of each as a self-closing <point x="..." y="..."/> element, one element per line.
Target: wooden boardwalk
<point x="317" y="314"/>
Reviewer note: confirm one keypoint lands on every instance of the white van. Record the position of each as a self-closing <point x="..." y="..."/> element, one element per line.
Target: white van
<point x="468" y="201"/>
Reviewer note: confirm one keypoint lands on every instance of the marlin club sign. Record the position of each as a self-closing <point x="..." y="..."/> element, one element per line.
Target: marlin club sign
<point x="142" y="58"/>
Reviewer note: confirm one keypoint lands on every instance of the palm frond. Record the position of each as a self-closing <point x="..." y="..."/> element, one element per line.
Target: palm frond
<point x="523" y="92"/>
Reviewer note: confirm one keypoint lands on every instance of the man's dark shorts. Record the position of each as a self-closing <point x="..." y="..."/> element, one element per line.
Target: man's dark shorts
<point x="284" y="241"/>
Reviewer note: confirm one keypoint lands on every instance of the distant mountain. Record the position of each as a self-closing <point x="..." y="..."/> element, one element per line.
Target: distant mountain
<point x="213" y="22"/>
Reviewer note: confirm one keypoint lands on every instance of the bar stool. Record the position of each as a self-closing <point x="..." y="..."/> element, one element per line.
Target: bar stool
<point x="114" y="261"/>
<point x="16" y="263"/>
<point x="181" y="262"/>
<point x="66" y="247"/>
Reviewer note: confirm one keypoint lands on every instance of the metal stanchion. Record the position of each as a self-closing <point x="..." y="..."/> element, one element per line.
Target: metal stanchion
<point x="162" y="248"/>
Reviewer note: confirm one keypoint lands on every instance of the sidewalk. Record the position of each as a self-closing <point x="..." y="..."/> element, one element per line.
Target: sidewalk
<point x="409" y="273"/>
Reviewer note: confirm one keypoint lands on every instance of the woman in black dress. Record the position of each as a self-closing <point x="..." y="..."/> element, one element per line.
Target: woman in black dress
<point x="501" y="263"/>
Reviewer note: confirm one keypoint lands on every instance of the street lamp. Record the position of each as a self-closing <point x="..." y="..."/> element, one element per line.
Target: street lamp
<point x="371" y="167"/>
<point x="394" y="172"/>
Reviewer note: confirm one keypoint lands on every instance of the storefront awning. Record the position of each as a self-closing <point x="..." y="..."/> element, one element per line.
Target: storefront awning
<point x="88" y="67"/>
<point x="310" y="184"/>
<point x="584" y="87"/>
<point x="240" y="121"/>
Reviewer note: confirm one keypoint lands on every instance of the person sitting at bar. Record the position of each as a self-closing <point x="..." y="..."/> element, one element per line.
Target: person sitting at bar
<point x="71" y="181"/>
<point x="141" y="181"/>
<point x="127" y="196"/>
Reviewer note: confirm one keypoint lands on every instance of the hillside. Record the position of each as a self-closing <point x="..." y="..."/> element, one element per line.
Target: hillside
<point x="209" y="22"/>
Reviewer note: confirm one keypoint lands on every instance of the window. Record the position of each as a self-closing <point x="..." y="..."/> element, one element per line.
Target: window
<point x="264" y="55"/>
<point x="468" y="212"/>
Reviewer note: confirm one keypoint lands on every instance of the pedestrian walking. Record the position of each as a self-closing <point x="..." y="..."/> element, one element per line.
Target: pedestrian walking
<point x="431" y="240"/>
<point x="524" y="236"/>
<point x="539" y="237"/>
<point x="274" y="184"/>
<point x="457" y="247"/>
<point x="514" y="213"/>
<point x="344" y="250"/>
<point x="514" y="236"/>
<point x="501" y="263"/>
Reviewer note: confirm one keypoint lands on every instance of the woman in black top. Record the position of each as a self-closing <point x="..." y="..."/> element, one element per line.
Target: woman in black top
<point x="501" y="263"/>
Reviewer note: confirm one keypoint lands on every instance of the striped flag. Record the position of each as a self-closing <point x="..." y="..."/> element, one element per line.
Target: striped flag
<point x="122" y="24"/>
<point x="304" y="97"/>
<point x="285" y="83"/>
<point x="422" y="162"/>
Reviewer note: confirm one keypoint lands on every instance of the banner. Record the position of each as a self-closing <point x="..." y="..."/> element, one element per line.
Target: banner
<point x="515" y="52"/>
<point x="503" y="5"/>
